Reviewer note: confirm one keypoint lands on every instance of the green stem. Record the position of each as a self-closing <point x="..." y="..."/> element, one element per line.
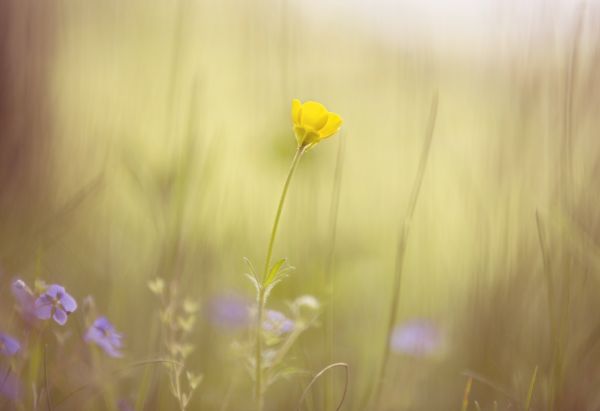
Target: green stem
<point x="258" y="390"/>
<point x="261" y="300"/>
<point x="295" y="162"/>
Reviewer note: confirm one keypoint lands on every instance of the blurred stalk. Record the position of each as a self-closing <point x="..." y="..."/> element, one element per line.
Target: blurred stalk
<point x="467" y="393"/>
<point x="329" y="279"/>
<point x="401" y="251"/>
<point x="566" y="203"/>
<point x="262" y="291"/>
<point x="531" y="388"/>
<point x="179" y="177"/>
<point x="108" y="389"/>
<point x="551" y="296"/>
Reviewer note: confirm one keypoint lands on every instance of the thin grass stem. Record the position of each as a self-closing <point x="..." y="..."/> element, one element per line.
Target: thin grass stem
<point x="46" y="388"/>
<point x="401" y="250"/>
<point x="465" y="402"/>
<point x="329" y="277"/>
<point x="318" y="375"/>
<point x="531" y="389"/>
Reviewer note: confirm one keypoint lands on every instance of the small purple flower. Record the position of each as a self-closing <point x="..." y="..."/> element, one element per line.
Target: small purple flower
<point x="229" y="311"/>
<point x="103" y="334"/>
<point x="8" y="345"/>
<point x="125" y="405"/>
<point x="418" y="338"/>
<point x="24" y="297"/>
<point x="55" y="302"/>
<point x="277" y="323"/>
<point x="10" y="385"/>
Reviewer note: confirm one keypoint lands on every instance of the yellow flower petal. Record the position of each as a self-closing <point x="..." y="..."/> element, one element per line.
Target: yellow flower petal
<point x="334" y="122"/>
<point x="296" y="111"/>
<point x="314" y="115"/>
<point x="299" y="132"/>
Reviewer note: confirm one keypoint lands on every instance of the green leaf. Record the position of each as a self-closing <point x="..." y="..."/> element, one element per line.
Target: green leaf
<point x="274" y="271"/>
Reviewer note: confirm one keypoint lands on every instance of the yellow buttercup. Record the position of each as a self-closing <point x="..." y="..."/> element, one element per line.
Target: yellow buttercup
<point x="313" y="123"/>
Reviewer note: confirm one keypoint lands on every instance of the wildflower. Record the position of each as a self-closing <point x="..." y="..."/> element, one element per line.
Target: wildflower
<point x="181" y="351"/>
<point x="103" y="334"/>
<point x="190" y="306"/>
<point x="193" y="379"/>
<point x="10" y="385"/>
<point x="186" y="323"/>
<point x="307" y="301"/>
<point x="55" y="302"/>
<point x="229" y="311"/>
<point x="125" y="405"/>
<point x="8" y="345"/>
<point x="157" y="285"/>
<point x="277" y="323"/>
<point x="313" y="123"/>
<point x="305" y="310"/>
<point x="418" y="338"/>
<point x="25" y="298"/>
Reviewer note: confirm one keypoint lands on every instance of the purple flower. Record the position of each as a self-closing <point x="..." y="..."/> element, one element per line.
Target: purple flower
<point x="277" y="323"/>
<point x="418" y="338"/>
<point x="24" y="297"/>
<point x="229" y="311"/>
<point x="55" y="302"/>
<point x="125" y="405"/>
<point x="8" y="345"/>
<point x="103" y="334"/>
<point x="10" y="386"/>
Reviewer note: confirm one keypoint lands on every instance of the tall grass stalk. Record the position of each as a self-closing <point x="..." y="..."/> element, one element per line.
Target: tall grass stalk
<point x="328" y="277"/>
<point x="467" y="393"/>
<point x="566" y="204"/>
<point x="345" y="366"/>
<point x="531" y="389"/>
<point x="552" y="314"/>
<point x="262" y="287"/>
<point x="401" y="250"/>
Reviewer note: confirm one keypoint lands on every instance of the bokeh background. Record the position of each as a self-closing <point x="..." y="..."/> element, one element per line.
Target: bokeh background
<point x="146" y="139"/>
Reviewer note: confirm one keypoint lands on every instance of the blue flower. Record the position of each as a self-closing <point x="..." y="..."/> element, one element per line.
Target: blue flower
<point x="125" y="405"/>
<point x="10" y="385"/>
<point x="55" y="302"/>
<point x="8" y="345"/>
<point x="103" y="334"/>
<point x="277" y="323"/>
<point x="418" y="338"/>
<point x="25" y="298"/>
<point x="229" y="311"/>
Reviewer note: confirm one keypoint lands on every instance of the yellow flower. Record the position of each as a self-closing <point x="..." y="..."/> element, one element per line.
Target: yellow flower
<point x="313" y="123"/>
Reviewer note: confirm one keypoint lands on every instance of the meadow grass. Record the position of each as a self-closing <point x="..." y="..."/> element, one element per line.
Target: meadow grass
<point x="141" y="152"/>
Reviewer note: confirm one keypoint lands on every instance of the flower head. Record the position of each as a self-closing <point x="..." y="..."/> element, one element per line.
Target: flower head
<point x="10" y="385"/>
<point x="418" y="338"/>
<point x="55" y="302"/>
<point x="313" y="123"/>
<point x="277" y="323"/>
<point x="125" y="405"/>
<point x="25" y="298"/>
<point x="103" y="334"/>
<point x="229" y="311"/>
<point x="8" y="345"/>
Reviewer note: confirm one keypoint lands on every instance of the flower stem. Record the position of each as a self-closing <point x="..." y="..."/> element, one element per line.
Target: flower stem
<point x="261" y="297"/>
<point x="258" y="389"/>
<point x="295" y="162"/>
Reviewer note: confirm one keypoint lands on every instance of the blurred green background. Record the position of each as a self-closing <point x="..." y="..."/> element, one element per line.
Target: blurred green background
<point x="147" y="138"/>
